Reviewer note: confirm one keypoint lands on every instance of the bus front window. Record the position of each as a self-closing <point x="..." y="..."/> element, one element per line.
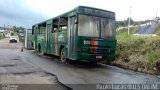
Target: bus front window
<point x="88" y="26"/>
<point x="92" y="26"/>
<point x="107" y="28"/>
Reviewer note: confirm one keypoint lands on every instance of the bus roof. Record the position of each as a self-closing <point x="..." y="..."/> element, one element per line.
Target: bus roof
<point x="84" y="10"/>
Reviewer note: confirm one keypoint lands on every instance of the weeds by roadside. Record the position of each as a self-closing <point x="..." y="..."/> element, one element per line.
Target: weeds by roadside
<point x="138" y="53"/>
<point x="2" y="36"/>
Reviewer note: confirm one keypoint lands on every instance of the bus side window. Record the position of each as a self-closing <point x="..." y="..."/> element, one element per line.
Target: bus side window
<point x="60" y="29"/>
<point x="64" y="28"/>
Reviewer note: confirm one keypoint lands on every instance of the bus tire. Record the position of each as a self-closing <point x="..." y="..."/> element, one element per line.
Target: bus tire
<point x="39" y="48"/>
<point x="63" y="56"/>
<point x="93" y="62"/>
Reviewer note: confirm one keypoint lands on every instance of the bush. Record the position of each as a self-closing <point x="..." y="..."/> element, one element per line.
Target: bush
<point x="2" y="36"/>
<point x="142" y="52"/>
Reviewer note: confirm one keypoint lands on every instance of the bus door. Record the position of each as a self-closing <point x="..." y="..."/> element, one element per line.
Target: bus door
<point x="47" y="36"/>
<point x="72" y="26"/>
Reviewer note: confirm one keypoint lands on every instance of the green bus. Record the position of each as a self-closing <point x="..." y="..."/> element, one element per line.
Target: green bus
<point x="84" y="33"/>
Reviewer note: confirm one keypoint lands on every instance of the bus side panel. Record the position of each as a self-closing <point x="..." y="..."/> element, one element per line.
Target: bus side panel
<point x="41" y="39"/>
<point x="52" y="43"/>
<point x="42" y="43"/>
<point x="48" y="37"/>
<point x="62" y="40"/>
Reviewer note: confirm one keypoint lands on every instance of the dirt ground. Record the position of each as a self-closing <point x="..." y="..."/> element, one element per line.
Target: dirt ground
<point x="30" y="78"/>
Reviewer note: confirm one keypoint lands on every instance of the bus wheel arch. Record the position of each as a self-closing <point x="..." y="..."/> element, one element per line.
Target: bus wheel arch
<point x="32" y="44"/>
<point x="39" y="47"/>
<point x="108" y="62"/>
<point x="63" y="54"/>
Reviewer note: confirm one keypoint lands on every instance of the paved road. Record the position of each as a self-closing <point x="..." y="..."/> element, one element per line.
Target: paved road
<point x="4" y="44"/>
<point x="74" y="73"/>
<point x="83" y="73"/>
<point x="15" y="68"/>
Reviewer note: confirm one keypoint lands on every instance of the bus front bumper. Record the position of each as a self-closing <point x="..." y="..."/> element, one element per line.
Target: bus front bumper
<point x="95" y="57"/>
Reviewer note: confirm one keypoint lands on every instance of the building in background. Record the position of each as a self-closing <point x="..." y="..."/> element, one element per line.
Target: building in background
<point x="28" y="38"/>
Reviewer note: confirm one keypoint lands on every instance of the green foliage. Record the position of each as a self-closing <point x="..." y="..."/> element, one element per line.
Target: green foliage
<point x="131" y="21"/>
<point x="124" y="23"/>
<point x="146" y="47"/>
<point x="120" y="24"/>
<point x="123" y="36"/>
<point x="157" y="31"/>
<point x="17" y="29"/>
<point x="2" y="36"/>
<point x="152" y="58"/>
<point x="118" y="51"/>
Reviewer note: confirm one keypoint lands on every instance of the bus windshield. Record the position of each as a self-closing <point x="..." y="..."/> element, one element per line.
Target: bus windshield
<point x="93" y="26"/>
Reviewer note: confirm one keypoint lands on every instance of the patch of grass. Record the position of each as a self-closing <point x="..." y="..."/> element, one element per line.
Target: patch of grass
<point x="123" y="36"/>
<point x="157" y="31"/>
<point x="152" y="57"/>
<point x="2" y="36"/>
<point x="138" y="51"/>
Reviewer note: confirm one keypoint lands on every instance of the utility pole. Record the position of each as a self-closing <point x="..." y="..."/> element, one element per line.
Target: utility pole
<point x="156" y="12"/>
<point x="156" y="15"/>
<point x="4" y="27"/>
<point x="129" y="20"/>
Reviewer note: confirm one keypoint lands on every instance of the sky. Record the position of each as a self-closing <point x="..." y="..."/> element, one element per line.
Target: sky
<point x="29" y="12"/>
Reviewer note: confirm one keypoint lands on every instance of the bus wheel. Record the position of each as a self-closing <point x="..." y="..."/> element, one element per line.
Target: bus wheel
<point x="39" y="48"/>
<point x="63" y="56"/>
<point x="93" y="62"/>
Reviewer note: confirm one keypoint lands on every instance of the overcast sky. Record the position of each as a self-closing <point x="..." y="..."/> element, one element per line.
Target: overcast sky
<point x="28" y="12"/>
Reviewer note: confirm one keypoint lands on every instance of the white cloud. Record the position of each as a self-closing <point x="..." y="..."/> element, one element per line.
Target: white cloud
<point x="29" y="12"/>
<point x="141" y="9"/>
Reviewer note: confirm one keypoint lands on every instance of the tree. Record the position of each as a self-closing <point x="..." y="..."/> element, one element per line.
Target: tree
<point x="120" y="23"/>
<point x="124" y="23"/>
<point x="127" y="21"/>
<point x="17" y="29"/>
